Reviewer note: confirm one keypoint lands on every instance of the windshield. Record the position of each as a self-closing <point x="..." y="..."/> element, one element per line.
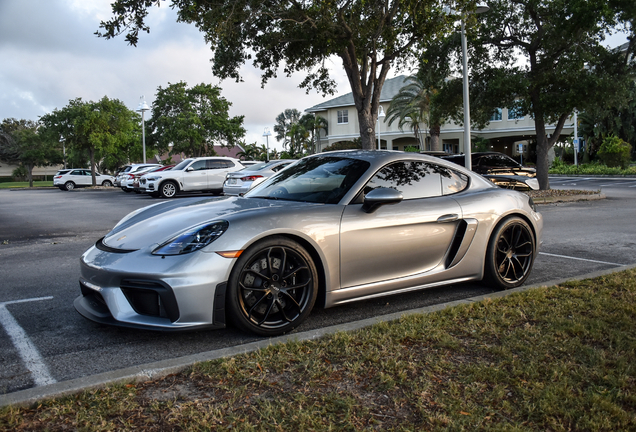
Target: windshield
<point x="322" y="179"/>
<point x="182" y="165"/>
<point x="255" y="167"/>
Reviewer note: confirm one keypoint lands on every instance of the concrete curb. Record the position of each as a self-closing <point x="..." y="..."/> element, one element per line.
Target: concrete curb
<point x="163" y="368"/>
<point x="568" y="198"/>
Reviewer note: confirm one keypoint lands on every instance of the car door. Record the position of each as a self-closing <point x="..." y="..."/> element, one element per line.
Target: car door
<point x="76" y="176"/>
<point x="401" y="240"/>
<point x="195" y="176"/>
<point x="217" y="170"/>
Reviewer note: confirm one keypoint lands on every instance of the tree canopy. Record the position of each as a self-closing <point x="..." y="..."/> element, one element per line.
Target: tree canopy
<point x="193" y="120"/>
<point x="105" y="132"/>
<point x="549" y="56"/>
<point x="369" y="37"/>
<point x="22" y="143"/>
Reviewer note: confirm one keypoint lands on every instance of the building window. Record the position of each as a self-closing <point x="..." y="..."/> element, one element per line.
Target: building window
<point x="343" y="116"/>
<point x="515" y="112"/>
<point x="497" y="115"/>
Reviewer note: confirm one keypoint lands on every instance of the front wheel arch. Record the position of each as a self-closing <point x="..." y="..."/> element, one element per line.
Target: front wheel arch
<point x="273" y="286"/>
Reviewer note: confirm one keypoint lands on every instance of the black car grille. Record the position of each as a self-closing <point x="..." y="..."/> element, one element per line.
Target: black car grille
<point x="152" y="298"/>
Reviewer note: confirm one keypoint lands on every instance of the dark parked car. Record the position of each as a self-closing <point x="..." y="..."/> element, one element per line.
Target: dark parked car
<point x="500" y="169"/>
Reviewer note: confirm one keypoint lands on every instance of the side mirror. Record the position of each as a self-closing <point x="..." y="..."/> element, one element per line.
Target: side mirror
<point x="379" y="197"/>
<point x="189" y="169"/>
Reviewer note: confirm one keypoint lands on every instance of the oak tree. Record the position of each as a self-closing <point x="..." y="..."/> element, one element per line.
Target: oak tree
<point x="369" y="37"/>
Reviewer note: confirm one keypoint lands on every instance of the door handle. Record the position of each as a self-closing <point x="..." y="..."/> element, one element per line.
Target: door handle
<point x="447" y="218"/>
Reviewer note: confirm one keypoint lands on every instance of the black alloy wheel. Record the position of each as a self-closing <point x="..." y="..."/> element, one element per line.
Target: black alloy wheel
<point x="273" y="287"/>
<point x="510" y="254"/>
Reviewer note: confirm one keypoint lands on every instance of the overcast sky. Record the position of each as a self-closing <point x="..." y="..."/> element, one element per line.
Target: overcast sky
<point x="50" y="55"/>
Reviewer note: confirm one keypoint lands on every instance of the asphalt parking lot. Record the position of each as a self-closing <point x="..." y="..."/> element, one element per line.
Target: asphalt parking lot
<point x="44" y="232"/>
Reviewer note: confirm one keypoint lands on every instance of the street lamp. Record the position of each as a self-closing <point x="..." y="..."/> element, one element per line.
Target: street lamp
<point x="380" y="114"/>
<point x="142" y="108"/>
<point x="266" y="134"/>
<point x="481" y="8"/>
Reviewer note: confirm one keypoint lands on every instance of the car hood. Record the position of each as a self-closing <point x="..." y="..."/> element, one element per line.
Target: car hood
<point x="159" y="223"/>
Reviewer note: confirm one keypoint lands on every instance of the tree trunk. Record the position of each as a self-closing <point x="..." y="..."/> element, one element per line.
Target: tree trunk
<point x="365" y="88"/>
<point x="29" y="168"/>
<point x="92" y="153"/>
<point x="436" y="144"/>
<point x="542" y="160"/>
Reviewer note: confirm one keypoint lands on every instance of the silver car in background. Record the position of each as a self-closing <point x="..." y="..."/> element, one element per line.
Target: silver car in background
<point x="239" y="182"/>
<point x="332" y="228"/>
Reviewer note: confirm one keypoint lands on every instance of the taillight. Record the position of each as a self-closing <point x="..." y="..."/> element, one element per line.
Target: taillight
<point x="250" y="178"/>
<point x="57" y="177"/>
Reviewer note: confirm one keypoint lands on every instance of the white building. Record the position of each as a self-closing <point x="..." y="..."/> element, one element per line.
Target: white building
<point x="505" y="131"/>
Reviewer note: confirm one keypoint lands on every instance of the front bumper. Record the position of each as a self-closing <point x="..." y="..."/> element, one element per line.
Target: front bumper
<point x="140" y="290"/>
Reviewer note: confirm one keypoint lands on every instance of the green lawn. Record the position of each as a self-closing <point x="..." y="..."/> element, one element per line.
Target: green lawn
<point x="559" y="358"/>
<point x="12" y="185"/>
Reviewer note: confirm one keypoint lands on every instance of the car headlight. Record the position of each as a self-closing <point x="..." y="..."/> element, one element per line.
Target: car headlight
<point x="193" y="239"/>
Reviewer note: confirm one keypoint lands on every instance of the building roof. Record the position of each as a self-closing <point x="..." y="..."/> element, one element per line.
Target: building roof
<point x="390" y="88"/>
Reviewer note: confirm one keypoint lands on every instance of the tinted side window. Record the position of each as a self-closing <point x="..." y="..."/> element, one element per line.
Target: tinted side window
<point x="77" y="172"/>
<point x="413" y="179"/>
<point x="215" y="164"/>
<point x="198" y="165"/>
<point x="452" y="181"/>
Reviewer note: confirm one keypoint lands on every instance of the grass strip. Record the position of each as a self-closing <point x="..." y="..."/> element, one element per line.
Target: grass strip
<point x="15" y="185"/>
<point x="559" y="358"/>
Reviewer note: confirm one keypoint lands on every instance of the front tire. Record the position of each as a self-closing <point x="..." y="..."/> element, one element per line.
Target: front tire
<point x="272" y="288"/>
<point x="107" y="183"/>
<point x="69" y="186"/>
<point x="510" y="254"/>
<point x="168" y="189"/>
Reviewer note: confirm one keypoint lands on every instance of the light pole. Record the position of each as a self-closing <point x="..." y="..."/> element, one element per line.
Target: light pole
<point x="380" y="114"/>
<point x="143" y="107"/>
<point x="266" y="134"/>
<point x="481" y="8"/>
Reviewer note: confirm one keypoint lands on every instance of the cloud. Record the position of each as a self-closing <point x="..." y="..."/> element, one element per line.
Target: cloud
<point x="51" y="55"/>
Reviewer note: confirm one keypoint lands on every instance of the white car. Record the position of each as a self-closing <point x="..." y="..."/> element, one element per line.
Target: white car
<point x="239" y="182"/>
<point x="76" y="178"/>
<point x="125" y="178"/>
<point x="204" y="174"/>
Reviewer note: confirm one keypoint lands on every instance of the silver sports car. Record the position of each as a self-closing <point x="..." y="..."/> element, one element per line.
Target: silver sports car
<point x="333" y="228"/>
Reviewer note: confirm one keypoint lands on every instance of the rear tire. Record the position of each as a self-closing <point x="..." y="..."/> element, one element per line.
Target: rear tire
<point x="510" y="254"/>
<point x="272" y="288"/>
<point x="69" y="185"/>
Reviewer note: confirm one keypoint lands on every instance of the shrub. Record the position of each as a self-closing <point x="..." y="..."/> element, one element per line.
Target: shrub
<point x="615" y="152"/>
<point x="20" y="173"/>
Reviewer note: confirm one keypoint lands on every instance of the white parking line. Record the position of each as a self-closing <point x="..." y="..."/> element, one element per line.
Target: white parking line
<point x="614" y="184"/>
<point x="581" y="259"/>
<point x="27" y="350"/>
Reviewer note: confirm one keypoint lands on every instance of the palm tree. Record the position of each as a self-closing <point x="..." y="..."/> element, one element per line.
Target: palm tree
<point x="250" y="152"/>
<point x="410" y="107"/>
<point x="284" y="122"/>
<point x="313" y="124"/>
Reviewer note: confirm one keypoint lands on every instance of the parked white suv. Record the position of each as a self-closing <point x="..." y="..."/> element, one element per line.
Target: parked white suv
<point x="76" y="178"/>
<point x="126" y="176"/>
<point x="204" y="174"/>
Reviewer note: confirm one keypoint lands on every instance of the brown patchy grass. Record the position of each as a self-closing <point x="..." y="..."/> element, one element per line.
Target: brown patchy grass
<point x="549" y="359"/>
